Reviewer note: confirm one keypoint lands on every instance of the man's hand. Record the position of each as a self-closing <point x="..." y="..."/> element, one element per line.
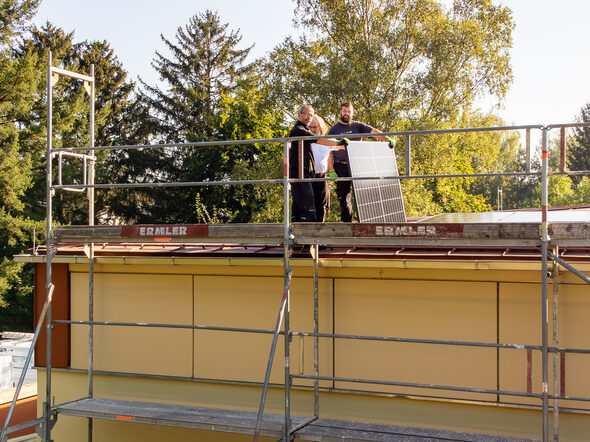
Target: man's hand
<point x="343" y="142"/>
<point x="390" y="141"/>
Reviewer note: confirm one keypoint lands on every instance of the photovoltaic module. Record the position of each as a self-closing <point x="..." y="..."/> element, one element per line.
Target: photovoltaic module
<point x="377" y="200"/>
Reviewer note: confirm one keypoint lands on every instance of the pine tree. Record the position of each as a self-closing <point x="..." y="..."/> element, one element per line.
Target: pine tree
<point x="205" y="64"/>
<point x="113" y="101"/>
<point x="23" y="143"/>
<point x="578" y="155"/>
<point x="14" y="15"/>
<point x="17" y="87"/>
<point x="204" y="70"/>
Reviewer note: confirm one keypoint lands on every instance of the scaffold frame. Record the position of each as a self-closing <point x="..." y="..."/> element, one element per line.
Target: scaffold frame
<point x="548" y="236"/>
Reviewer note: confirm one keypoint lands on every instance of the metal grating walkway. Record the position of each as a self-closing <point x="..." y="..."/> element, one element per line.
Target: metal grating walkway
<point x="236" y="421"/>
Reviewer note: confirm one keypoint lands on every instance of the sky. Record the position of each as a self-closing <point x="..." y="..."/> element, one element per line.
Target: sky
<point x="550" y="56"/>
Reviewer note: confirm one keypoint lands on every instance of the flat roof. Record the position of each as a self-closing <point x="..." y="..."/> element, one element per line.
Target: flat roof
<point x="561" y="215"/>
<point x="500" y="235"/>
<point x="339" y="252"/>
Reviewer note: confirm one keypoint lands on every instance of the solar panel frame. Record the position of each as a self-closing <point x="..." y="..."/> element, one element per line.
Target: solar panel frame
<point x="379" y="200"/>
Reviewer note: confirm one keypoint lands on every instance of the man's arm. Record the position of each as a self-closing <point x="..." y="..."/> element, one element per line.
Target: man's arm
<point x="333" y="142"/>
<point x="339" y="144"/>
<point x="377" y="131"/>
<point x="390" y="140"/>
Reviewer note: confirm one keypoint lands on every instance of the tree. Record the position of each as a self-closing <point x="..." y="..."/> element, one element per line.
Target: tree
<point x="578" y="155"/>
<point x="206" y="83"/>
<point x="458" y="153"/>
<point x="23" y="143"/>
<point x="406" y="65"/>
<point x="113" y="102"/>
<point x="395" y="60"/>
<point x="17" y="85"/>
<point x="14" y="15"/>
<point x="205" y="64"/>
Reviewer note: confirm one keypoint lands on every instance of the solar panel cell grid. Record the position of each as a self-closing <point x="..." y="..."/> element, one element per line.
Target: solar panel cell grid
<point x="379" y="200"/>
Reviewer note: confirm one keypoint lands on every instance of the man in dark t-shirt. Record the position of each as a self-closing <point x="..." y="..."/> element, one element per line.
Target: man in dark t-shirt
<point x="346" y="125"/>
<point x="303" y="208"/>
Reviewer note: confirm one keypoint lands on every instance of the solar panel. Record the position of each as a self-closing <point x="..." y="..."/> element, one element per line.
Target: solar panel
<point x="380" y="200"/>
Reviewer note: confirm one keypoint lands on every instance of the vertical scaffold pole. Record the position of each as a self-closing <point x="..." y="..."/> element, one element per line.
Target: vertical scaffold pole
<point x="90" y="175"/>
<point x="91" y="152"/>
<point x="555" y="282"/>
<point x="284" y="301"/>
<point x="271" y="358"/>
<point x="408" y="155"/>
<point x="48" y="319"/>
<point x="544" y="306"/>
<point x="316" y="330"/>
<point x="287" y="272"/>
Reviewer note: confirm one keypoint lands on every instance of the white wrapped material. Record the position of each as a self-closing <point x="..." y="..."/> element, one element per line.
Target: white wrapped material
<point x="321" y="154"/>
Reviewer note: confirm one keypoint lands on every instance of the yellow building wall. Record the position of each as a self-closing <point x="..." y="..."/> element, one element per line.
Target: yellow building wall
<point x="163" y="299"/>
<point x="520" y="323"/>
<point x="463" y="303"/>
<point x="253" y="302"/>
<point x="445" y="310"/>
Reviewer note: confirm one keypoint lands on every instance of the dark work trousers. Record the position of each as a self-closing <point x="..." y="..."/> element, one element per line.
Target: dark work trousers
<point x="321" y="194"/>
<point x="303" y="207"/>
<point x="344" y="191"/>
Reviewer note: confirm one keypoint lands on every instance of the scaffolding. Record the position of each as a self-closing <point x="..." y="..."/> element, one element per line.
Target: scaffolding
<point x="549" y="237"/>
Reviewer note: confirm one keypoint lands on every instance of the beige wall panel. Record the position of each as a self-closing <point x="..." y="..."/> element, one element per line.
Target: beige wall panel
<point x="416" y="309"/>
<point x="252" y="302"/>
<point x="520" y="323"/>
<point x="165" y="299"/>
<point x="574" y="332"/>
<point x="431" y="414"/>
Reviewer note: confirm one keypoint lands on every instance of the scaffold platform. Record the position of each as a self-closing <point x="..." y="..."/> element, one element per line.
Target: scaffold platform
<point x="236" y="421"/>
<point x="432" y="234"/>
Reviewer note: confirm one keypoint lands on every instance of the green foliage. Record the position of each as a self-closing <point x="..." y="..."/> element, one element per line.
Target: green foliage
<point x="14" y="15"/>
<point x="583" y="191"/>
<point x="457" y="153"/>
<point x="23" y="139"/>
<point x="395" y="60"/>
<point x="578" y="155"/>
<point x="205" y="64"/>
<point x="71" y="114"/>
<point x="17" y="87"/>
<point x="16" y="280"/>
<point x="209" y="93"/>
<point x="406" y="65"/>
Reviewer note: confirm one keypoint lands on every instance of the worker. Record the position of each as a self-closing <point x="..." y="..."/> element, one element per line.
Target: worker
<point x="347" y="125"/>
<point x="321" y="155"/>
<point x="303" y="208"/>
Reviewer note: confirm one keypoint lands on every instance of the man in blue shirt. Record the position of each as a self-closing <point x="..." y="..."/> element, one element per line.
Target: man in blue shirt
<point x="347" y="125"/>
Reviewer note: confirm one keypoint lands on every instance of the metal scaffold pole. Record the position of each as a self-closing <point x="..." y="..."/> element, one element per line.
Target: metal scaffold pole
<point x="316" y="339"/>
<point x="48" y="282"/>
<point x="287" y="272"/>
<point x="544" y="302"/>
<point x="555" y="283"/>
<point x="284" y="301"/>
<point x="90" y="176"/>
